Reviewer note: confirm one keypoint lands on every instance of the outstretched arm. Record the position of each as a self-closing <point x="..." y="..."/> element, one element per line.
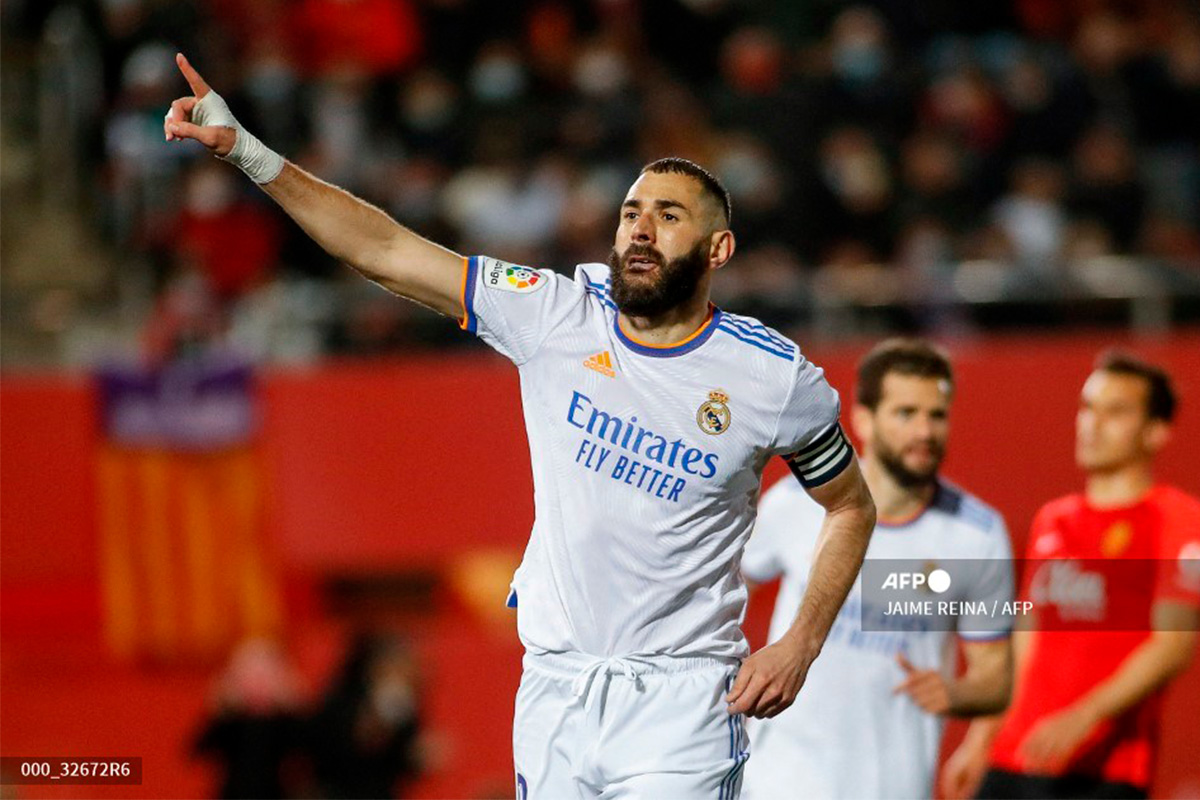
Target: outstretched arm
<point x="349" y="229"/>
<point x="770" y="679"/>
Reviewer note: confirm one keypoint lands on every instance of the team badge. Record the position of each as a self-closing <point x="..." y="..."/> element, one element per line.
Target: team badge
<point x="714" y="416"/>
<point x="1116" y="539"/>
<point x="512" y="278"/>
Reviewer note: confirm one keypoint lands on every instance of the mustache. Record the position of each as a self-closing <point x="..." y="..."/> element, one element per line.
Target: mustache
<point x="643" y="251"/>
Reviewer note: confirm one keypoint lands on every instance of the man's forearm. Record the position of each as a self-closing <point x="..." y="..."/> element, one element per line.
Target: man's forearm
<point x="349" y="229"/>
<point x="976" y="695"/>
<point x="365" y="238"/>
<point x="1148" y="668"/>
<point x="986" y="684"/>
<point x="839" y="555"/>
<point x="982" y="732"/>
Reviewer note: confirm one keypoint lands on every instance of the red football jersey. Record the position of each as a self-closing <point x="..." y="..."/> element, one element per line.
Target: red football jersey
<point x="1093" y="611"/>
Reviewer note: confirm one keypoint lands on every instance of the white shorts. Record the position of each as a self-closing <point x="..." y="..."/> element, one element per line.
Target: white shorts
<point x="784" y="769"/>
<point x="627" y="728"/>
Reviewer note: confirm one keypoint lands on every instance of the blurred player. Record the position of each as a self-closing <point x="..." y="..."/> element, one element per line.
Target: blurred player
<point x="650" y="415"/>
<point x="869" y="721"/>
<point x="1084" y="717"/>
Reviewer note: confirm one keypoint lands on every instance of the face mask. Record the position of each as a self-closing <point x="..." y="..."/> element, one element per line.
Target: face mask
<point x="270" y="82"/>
<point x="497" y="79"/>
<point x="429" y="105"/>
<point x="209" y="194"/>
<point x="858" y="62"/>
<point x="600" y="73"/>
<point x="745" y="172"/>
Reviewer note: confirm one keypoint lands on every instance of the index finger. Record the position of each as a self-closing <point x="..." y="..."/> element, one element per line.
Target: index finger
<point x="739" y="685"/>
<point x="904" y="663"/>
<point x="199" y="86"/>
<point x="747" y="699"/>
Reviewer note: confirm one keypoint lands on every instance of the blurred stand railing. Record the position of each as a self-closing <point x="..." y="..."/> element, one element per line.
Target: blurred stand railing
<point x="1119" y="292"/>
<point x="300" y="321"/>
<point x="977" y="296"/>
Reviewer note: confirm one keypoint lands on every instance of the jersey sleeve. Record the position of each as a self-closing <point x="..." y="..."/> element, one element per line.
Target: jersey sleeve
<point x="990" y="590"/>
<point x="808" y="434"/>
<point x="1179" y="554"/>
<point x="514" y="308"/>
<point x="762" y="560"/>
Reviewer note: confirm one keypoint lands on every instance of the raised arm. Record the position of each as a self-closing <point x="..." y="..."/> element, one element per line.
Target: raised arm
<point x="349" y="229"/>
<point x="770" y="679"/>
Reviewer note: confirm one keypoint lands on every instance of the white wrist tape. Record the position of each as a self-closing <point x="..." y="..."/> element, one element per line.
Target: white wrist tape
<point x="254" y="158"/>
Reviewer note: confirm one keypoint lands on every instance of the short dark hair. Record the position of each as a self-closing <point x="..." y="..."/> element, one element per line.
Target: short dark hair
<point x="712" y="186"/>
<point x="915" y="357"/>
<point x="1160" y="395"/>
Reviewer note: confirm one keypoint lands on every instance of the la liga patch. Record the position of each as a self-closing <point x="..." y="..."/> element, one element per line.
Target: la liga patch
<point x="512" y="278"/>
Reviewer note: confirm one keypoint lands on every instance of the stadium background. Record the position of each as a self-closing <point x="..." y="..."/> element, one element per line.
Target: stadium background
<point x="1021" y="182"/>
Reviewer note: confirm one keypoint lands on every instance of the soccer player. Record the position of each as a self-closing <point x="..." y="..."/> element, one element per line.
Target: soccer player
<point x="1092" y="665"/>
<point x="650" y="415"/>
<point x="869" y="722"/>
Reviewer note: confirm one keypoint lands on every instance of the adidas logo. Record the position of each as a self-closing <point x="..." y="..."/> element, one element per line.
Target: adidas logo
<point x="602" y="363"/>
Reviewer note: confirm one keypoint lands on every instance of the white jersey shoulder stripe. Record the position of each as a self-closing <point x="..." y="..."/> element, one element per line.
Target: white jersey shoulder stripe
<point x="742" y="337"/>
<point x="756" y="328"/>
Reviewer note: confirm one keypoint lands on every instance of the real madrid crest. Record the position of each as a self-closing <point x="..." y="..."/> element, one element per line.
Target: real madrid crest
<point x="714" y="416"/>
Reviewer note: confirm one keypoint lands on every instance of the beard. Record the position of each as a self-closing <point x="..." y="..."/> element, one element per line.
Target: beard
<point x="676" y="282"/>
<point x="901" y="473"/>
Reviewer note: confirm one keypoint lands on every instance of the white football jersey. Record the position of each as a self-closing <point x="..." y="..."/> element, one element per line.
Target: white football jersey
<point x="848" y="735"/>
<point x="646" y="461"/>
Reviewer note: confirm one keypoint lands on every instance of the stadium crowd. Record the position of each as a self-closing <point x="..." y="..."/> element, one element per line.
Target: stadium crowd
<point x="940" y="151"/>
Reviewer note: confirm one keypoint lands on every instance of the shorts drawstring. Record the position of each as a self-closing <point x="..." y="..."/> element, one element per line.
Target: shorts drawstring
<point x="613" y="665"/>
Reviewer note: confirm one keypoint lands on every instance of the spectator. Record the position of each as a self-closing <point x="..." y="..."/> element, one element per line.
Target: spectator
<point x="1046" y="111"/>
<point x="1032" y="216"/>
<point x="856" y="181"/>
<point x="365" y="737"/>
<point x="935" y="182"/>
<point x="232" y="242"/>
<point x="254" y="731"/>
<point x="375" y="38"/>
<point x="867" y="85"/>
<point x="1105" y="185"/>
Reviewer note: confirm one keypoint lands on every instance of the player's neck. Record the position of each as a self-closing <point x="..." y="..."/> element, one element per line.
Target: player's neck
<point x="1123" y="486"/>
<point x="668" y="328"/>
<point x="895" y="504"/>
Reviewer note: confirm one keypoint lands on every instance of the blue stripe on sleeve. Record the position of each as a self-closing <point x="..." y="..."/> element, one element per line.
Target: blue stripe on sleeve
<point x="735" y="333"/>
<point x="469" y="294"/>
<point x="760" y="331"/>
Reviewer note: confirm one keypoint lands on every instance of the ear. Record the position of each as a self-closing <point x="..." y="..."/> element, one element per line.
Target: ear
<point x="721" y="248"/>
<point x="862" y="422"/>
<point x="1156" y="436"/>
